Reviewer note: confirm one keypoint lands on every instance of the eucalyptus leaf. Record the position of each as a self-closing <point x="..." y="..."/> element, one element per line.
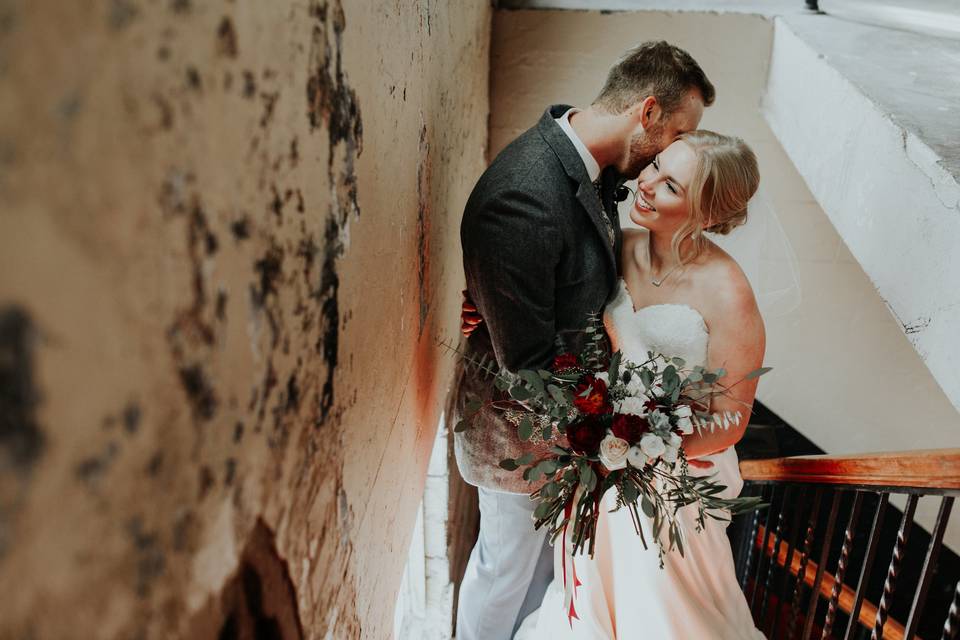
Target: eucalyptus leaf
<point x="462" y="425"/>
<point x="520" y="393"/>
<point x="556" y="393"/>
<point x="525" y="428"/>
<point x="756" y="373"/>
<point x="646" y="377"/>
<point x="526" y="458"/>
<point x="509" y="464"/>
<point x="542" y="510"/>
<point x="647" y="507"/>
<point x="614" y="370"/>
<point x="533" y="379"/>
<point x="548" y="467"/>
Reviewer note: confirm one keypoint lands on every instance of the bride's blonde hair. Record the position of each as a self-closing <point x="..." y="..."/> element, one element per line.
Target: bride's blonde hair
<point x="724" y="180"/>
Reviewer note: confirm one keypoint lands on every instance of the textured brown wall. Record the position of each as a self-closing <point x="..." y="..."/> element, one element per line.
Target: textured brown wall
<point x="228" y="245"/>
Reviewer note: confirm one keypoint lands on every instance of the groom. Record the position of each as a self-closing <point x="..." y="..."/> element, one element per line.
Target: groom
<point x="541" y="243"/>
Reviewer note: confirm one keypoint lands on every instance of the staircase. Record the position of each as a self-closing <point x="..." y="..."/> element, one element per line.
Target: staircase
<point x="831" y="558"/>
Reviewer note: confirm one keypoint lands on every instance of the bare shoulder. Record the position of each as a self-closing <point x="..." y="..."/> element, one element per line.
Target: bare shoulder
<point x="725" y="289"/>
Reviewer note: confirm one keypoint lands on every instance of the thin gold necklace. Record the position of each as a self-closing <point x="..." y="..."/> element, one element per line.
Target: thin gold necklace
<point x="659" y="282"/>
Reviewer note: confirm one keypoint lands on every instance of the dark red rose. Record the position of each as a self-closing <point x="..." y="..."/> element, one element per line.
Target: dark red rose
<point x="585" y="435"/>
<point x="650" y="404"/>
<point x="629" y="427"/>
<point x="564" y="362"/>
<point x="595" y="401"/>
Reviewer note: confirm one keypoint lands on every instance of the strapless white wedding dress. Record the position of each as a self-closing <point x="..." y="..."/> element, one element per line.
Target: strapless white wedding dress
<point x="624" y="593"/>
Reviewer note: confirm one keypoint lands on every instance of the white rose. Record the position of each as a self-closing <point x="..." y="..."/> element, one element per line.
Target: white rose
<point x="635" y="386"/>
<point x="613" y="452"/>
<point x="685" y="425"/>
<point x="631" y="405"/>
<point x="603" y="375"/>
<point x="670" y="455"/>
<point x="652" y="445"/>
<point x="683" y="411"/>
<point x="636" y="457"/>
<point x="674" y="440"/>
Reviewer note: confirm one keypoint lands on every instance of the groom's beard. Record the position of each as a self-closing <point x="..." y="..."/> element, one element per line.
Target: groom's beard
<point x="644" y="147"/>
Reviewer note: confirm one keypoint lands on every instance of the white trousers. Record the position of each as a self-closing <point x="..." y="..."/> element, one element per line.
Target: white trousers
<point x="508" y="571"/>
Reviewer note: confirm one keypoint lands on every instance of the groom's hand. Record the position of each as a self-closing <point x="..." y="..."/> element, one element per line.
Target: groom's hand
<point x="470" y="318"/>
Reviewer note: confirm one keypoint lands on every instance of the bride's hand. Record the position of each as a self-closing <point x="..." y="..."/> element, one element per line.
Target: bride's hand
<point x="470" y="318"/>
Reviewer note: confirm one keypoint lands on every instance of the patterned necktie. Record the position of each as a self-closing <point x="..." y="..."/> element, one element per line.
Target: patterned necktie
<point x="611" y="236"/>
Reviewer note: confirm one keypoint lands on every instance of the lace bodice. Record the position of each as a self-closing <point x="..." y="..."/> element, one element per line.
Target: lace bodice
<point x="675" y="330"/>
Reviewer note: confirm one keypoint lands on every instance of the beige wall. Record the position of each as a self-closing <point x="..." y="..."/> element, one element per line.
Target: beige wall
<point x="228" y="245"/>
<point x="844" y="373"/>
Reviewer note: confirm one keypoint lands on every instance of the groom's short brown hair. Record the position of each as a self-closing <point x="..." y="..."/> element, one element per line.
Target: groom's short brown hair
<point x="656" y="69"/>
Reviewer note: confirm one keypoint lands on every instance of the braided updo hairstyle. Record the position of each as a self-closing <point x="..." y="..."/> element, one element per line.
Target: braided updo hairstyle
<point x="725" y="179"/>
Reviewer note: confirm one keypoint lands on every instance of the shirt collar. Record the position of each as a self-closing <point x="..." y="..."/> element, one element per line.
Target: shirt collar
<point x="591" y="164"/>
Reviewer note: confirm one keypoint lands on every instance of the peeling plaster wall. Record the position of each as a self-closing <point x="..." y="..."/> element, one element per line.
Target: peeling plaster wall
<point x="228" y="246"/>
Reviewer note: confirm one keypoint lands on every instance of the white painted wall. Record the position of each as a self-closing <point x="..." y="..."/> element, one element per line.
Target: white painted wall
<point x="424" y="607"/>
<point x="882" y="188"/>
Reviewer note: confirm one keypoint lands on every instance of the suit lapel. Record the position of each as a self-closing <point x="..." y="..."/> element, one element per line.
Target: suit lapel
<point x="586" y="195"/>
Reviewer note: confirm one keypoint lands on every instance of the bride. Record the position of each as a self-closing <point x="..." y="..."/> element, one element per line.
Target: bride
<point x="680" y="295"/>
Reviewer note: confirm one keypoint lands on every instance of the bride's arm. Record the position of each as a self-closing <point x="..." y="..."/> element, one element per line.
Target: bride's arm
<point x="737" y="343"/>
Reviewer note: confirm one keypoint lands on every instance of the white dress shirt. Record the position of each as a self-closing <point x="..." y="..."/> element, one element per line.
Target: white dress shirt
<point x="593" y="167"/>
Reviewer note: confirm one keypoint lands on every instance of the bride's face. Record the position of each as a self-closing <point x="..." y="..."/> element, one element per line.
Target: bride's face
<point x="662" y="189"/>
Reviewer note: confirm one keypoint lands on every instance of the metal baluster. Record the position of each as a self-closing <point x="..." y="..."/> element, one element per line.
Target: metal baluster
<point x="804" y="558"/>
<point x="763" y="549"/>
<point x="936" y="541"/>
<point x="854" y="622"/>
<point x="777" y="536"/>
<point x="842" y="566"/>
<point x="751" y="543"/>
<point x="890" y="585"/>
<point x="952" y="624"/>
<point x="791" y="545"/>
<point x="815" y="590"/>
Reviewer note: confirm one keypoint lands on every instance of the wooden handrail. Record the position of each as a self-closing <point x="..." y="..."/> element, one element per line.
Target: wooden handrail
<point x="928" y="468"/>
<point x="892" y="630"/>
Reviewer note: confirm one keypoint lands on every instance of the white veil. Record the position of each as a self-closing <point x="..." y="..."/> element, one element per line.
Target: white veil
<point x="763" y="250"/>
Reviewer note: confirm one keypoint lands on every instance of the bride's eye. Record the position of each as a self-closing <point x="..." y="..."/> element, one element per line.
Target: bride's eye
<point x="672" y="190"/>
<point x="656" y="165"/>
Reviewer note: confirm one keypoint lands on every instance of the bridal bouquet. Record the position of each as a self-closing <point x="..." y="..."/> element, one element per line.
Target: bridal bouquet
<point x="614" y="424"/>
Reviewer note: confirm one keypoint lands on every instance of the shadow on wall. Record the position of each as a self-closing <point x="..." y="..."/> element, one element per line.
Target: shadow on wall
<point x="258" y="602"/>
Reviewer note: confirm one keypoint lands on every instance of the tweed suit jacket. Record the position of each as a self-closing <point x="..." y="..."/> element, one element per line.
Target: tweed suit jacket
<point x="538" y="261"/>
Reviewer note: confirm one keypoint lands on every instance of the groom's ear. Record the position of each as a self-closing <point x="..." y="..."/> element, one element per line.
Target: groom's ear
<point x="647" y="112"/>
